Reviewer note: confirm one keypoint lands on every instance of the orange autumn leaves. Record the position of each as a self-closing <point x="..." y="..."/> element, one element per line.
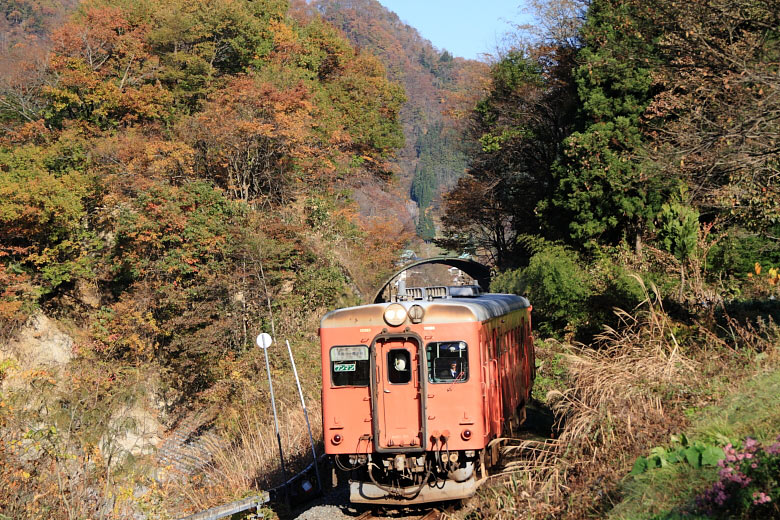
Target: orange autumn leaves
<point x="770" y="276"/>
<point x="152" y="178"/>
<point x="200" y="101"/>
<point x="252" y="136"/>
<point x="104" y="69"/>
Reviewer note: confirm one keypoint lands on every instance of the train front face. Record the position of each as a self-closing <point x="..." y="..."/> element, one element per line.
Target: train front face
<point x="402" y="400"/>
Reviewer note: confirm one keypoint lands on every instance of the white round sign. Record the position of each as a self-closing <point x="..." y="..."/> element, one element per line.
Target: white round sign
<point x="264" y="340"/>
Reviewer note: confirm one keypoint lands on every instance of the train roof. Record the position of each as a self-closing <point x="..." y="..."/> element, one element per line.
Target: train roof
<point x="446" y="310"/>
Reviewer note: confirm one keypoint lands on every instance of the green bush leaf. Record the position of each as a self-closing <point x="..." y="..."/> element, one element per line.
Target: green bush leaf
<point x="640" y="466"/>
<point x="657" y="461"/>
<point x="692" y="455"/>
<point x="711" y="455"/>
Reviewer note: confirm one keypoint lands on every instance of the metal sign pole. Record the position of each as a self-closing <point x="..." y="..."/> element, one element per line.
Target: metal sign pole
<point x="264" y="341"/>
<point x="306" y="416"/>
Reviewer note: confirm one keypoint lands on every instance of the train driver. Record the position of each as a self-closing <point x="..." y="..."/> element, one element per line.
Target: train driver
<point x="453" y="371"/>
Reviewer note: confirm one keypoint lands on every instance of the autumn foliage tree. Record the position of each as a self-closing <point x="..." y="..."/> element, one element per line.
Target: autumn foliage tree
<point x="251" y="137"/>
<point x="105" y="72"/>
<point x="136" y="160"/>
<point x="715" y="122"/>
<point x="158" y="167"/>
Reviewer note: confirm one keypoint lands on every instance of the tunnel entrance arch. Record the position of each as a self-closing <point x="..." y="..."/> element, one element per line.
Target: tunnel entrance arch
<point x="479" y="272"/>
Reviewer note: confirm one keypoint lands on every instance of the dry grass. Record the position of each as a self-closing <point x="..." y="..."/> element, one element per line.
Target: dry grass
<point x="614" y="407"/>
<point x="251" y="462"/>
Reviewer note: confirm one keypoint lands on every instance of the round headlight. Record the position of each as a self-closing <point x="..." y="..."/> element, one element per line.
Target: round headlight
<point x="416" y="313"/>
<point x="395" y="314"/>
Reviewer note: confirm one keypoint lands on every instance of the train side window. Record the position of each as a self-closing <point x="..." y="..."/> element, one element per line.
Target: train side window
<point x="448" y="361"/>
<point x="399" y="369"/>
<point x="349" y="365"/>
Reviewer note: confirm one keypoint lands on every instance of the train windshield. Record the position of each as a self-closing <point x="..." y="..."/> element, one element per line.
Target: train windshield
<point x="349" y="365"/>
<point x="448" y="361"/>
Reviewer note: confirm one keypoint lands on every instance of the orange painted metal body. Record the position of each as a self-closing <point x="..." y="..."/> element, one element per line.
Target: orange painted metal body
<point x="388" y="414"/>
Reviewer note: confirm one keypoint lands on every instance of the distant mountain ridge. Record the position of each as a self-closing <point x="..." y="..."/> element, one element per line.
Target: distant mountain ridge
<point x="432" y="159"/>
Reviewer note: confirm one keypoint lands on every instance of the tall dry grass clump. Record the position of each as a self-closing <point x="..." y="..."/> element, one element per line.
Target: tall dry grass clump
<point x="618" y="386"/>
<point x="251" y="461"/>
<point x="612" y="409"/>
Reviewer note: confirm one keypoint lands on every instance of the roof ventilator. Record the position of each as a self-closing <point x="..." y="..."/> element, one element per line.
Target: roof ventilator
<point x="440" y="292"/>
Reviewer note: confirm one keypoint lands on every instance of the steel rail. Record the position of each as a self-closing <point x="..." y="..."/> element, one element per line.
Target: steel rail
<point x="232" y="508"/>
<point x="433" y="514"/>
<point x="248" y="503"/>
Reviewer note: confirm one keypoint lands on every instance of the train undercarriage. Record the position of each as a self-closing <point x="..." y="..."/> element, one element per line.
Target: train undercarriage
<point x="415" y="478"/>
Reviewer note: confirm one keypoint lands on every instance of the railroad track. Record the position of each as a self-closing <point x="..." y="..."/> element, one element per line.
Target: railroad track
<point x="433" y="514"/>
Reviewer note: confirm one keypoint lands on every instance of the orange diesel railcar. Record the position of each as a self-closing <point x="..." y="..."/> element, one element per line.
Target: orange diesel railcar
<point x="414" y="391"/>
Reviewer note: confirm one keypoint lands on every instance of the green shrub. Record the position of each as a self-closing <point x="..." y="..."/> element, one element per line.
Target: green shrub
<point x="509" y="282"/>
<point x="622" y="288"/>
<point x="678" y="229"/>
<point x="737" y="252"/>
<point x="320" y="286"/>
<point x="695" y="453"/>
<point x="615" y="287"/>
<point x="558" y="288"/>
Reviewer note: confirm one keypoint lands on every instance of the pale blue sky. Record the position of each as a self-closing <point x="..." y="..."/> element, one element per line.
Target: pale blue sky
<point x="466" y="28"/>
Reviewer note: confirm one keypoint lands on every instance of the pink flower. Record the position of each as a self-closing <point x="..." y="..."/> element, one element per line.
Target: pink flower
<point x="761" y="498"/>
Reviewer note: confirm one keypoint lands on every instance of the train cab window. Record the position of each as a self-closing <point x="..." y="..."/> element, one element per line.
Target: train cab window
<point x="399" y="369"/>
<point x="349" y="365"/>
<point x="448" y="361"/>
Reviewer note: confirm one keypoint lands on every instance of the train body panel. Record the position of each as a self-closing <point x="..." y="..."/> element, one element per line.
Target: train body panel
<point x="409" y="384"/>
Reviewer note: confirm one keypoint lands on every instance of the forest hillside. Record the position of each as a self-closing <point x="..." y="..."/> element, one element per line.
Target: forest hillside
<point x="440" y="90"/>
<point x="175" y="178"/>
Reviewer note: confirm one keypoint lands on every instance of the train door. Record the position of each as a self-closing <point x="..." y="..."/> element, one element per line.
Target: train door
<point x="494" y="388"/>
<point x="515" y="368"/>
<point x="484" y="350"/>
<point x="398" y="414"/>
<point x="504" y="346"/>
<point x="529" y="358"/>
